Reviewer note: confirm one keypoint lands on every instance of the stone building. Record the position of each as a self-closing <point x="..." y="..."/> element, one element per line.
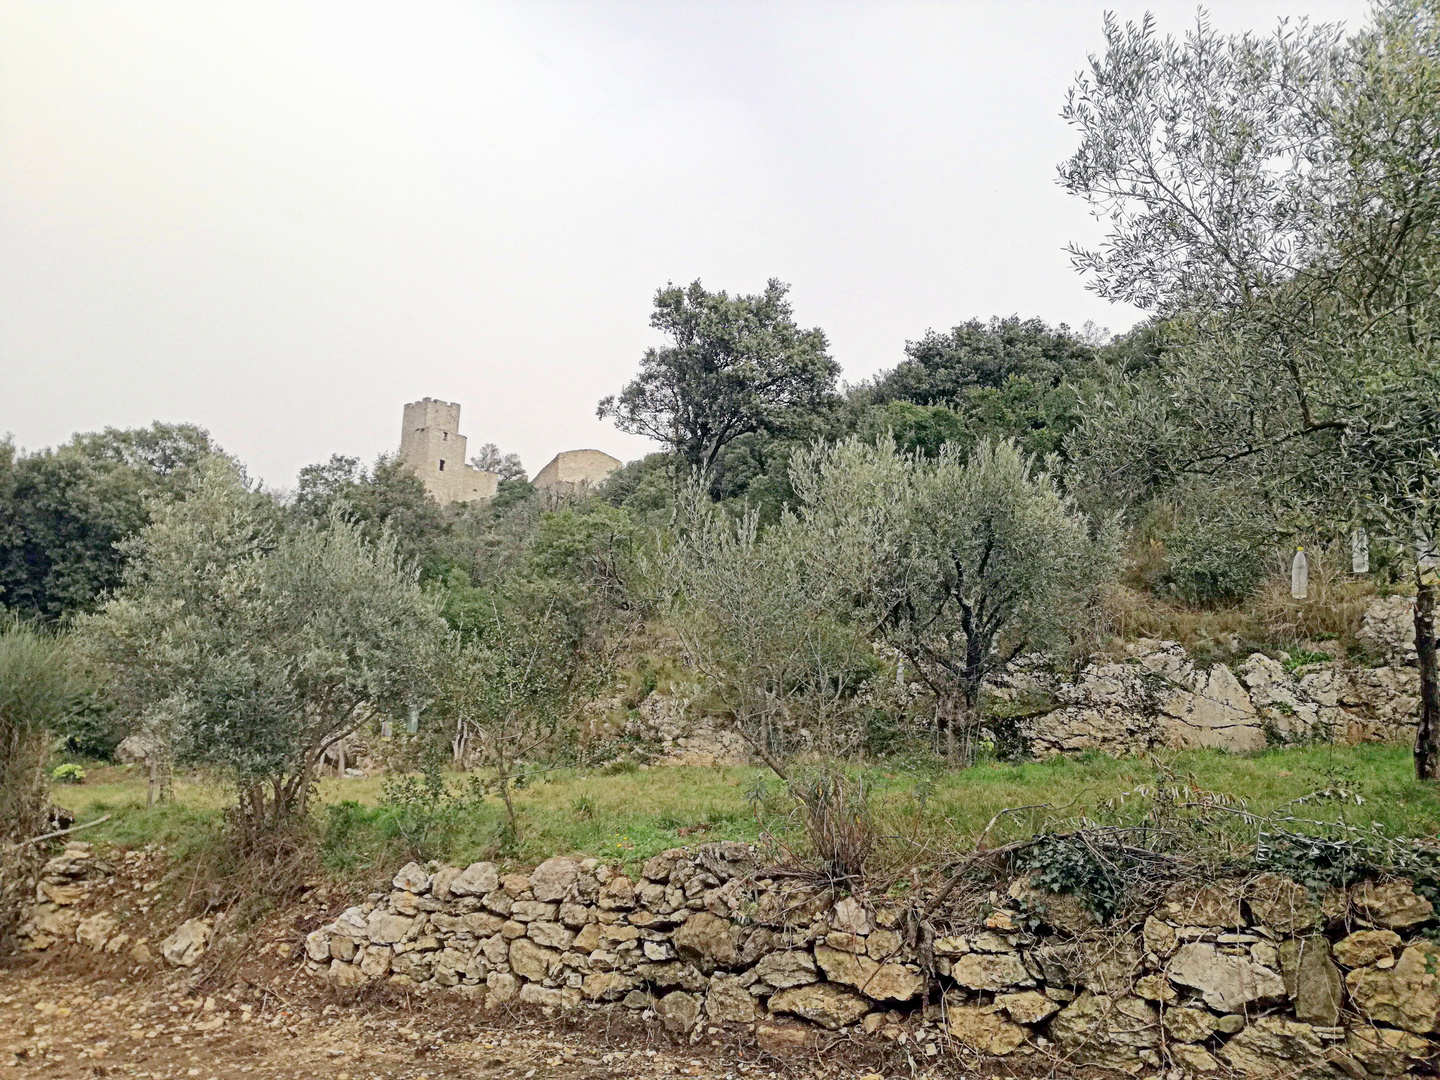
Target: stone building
<point x="572" y="471"/>
<point x="432" y="446"/>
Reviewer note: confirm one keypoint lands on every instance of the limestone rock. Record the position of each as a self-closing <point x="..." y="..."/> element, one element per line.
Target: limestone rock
<point x="1395" y="905"/>
<point x="850" y="917"/>
<point x="884" y="945"/>
<point x="678" y="1011"/>
<point x="1387" y="1051"/>
<point x="708" y="939"/>
<point x="981" y="1028"/>
<point x="1275" y="1046"/>
<point x="727" y="859"/>
<point x="1405" y="996"/>
<point x="387" y="929"/>
<point x="1312" y="981"/>
<point x="1283" y="905"/>
<point x="531" y="961"/>
<point x="673" y="974"/>
<point x="983" y="971"/>
<point x="317" y="944"/>
<point x="1216" y="904"/>
<point x="550" y="935"/>
<point x="1159" y="937"/>
<point x="1388" y="627"/>
<point x="728" y="1002"/>
<point x="783" y="970"/>
<point x="1364" y="947"/>
<point x="532" y="910"/>
<point x="618" y="894"/>
<point x="376" y="963"/>
<point x="1226" y="982"/>
<point x="502" y="987"/>
<point x="477" y="879"/>
<point x="1195" y="1059"/>
<point x="821" y="1003"/>
<point x="1218" y="713"/>
<point x="96" y="930"/>
<point x="1112" y="964"/>
<point x="412" y="878"/>
<point x="1188" y="1025"/>
<point x="1098" y="1030"/>
<point x="553" y="878"/>
<point x="187" y="944"/>
<point x="1062" y="911"/>
<point x="884" y="982"/>
<point x="440" y="881"/>
<point x="1027" y="1007"/>
<point x="659" y="867"/>
<point x="608" y="985"/>
<point x="785" y="1038"/>
<point x="548" y="996"/>
<point x="346" y="975"/>
<point x="1155" y="988"/>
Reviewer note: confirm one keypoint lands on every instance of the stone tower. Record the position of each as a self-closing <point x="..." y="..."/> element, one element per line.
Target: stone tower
<point x="432" y="446"/>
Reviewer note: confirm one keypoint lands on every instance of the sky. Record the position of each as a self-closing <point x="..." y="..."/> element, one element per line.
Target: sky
<point x="282" y="221"/>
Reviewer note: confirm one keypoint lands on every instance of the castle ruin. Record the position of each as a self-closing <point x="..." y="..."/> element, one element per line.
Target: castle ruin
<point x="573" y="471"/>
<point x="433" y="448"/>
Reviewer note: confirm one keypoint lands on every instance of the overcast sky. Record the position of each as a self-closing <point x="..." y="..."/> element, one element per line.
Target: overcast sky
<point x="283" y="221"/>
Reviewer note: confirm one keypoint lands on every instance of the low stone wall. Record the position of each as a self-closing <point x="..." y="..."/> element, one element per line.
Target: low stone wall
<point x="1250" y="974"/>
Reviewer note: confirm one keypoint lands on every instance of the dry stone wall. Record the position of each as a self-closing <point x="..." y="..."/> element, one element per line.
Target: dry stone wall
<point x="1252" y="976"/>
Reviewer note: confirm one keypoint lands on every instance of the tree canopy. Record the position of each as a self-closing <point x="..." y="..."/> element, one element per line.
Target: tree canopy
<point x="734" y="365"/>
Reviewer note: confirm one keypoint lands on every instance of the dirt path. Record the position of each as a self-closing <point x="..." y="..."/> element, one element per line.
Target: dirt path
<point x="58" y="1025"/>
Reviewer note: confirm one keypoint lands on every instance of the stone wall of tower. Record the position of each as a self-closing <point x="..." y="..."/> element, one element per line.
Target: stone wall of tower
<point x="433" y="448"/>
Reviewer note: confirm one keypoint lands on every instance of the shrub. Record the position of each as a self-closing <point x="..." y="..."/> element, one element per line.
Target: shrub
<point x="1213" y="554"/>
<point x="69" y="773"/>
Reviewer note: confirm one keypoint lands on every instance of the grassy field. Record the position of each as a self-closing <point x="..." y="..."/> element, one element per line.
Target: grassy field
<point x="923" y="809"/>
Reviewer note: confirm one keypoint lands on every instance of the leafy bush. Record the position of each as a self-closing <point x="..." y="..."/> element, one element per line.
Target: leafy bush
<point x="69" y="773"/>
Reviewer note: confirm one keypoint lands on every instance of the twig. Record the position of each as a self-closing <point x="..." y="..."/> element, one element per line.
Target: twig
<point x="64" y="832"/>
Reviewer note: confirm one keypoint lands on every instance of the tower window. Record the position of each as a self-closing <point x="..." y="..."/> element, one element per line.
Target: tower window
<point x="442" y="464"/>
<point x="444" y="435"/>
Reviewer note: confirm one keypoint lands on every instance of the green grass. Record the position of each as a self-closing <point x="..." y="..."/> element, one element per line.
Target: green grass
<point x="627" y="816"/>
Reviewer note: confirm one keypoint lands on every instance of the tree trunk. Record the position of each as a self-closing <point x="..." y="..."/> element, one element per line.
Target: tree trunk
<point x="1427" y="731"/>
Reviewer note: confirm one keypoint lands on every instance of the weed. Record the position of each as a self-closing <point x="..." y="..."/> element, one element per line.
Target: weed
<point x="69" y="773"/>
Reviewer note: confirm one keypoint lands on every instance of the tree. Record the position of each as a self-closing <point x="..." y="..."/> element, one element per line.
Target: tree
<point x="507" y="682"/>
<point x="1279" y="198"/>
<point x="733" y="366"/>
<point x="253" y="649"/>
<point x="940" y="369"/>
<point x="490" y="459"/>
<point x="387" y="496"/>
<point x="64" y="511"/>
<point x="765" y="626"/>
<point x="960" y="563"/>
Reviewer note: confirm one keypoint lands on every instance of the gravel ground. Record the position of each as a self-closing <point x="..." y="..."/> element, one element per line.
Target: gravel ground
<point x="78" y="1025"/>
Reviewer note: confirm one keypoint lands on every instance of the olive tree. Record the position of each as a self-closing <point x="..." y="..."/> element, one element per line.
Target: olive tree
<point x="959" y="562"/>
<point x="1280" y="198"/>
<point x="765" y="628"/>
<point x="508" y="683"/>
<point x="252" y="649"/>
